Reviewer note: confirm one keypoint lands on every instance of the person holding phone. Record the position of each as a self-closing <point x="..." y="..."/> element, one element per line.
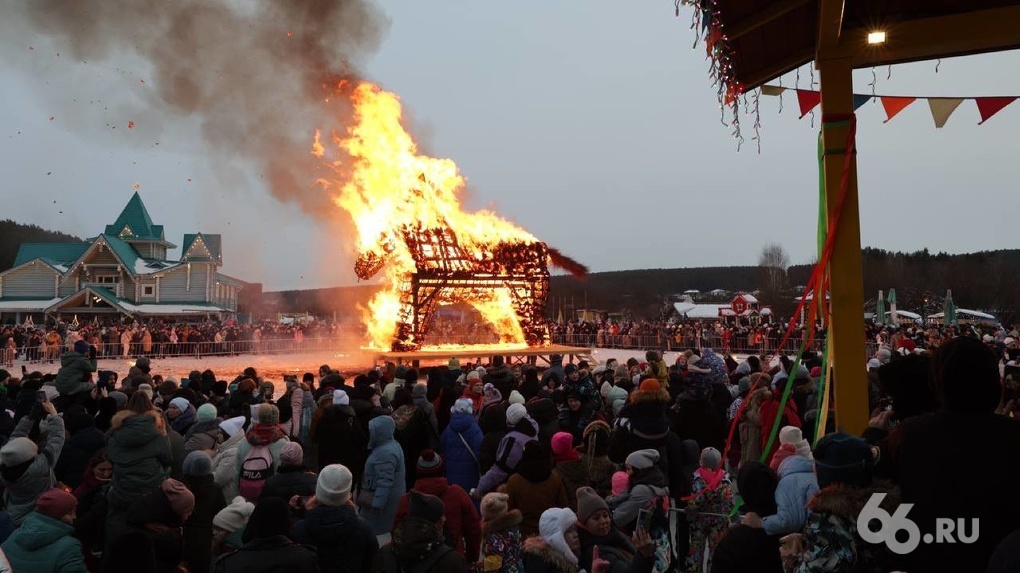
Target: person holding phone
<point x="23" y="488"/>
<point x="596" y="531"/>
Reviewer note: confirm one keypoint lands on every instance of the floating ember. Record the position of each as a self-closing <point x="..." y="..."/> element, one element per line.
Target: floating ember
<point x="411" y="228"/>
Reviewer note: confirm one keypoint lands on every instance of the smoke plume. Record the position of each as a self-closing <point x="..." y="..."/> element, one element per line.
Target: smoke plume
<point x="254" y="74"/>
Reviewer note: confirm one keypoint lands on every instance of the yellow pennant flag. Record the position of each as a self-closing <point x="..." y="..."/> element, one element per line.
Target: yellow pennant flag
<point x="942" y="108"/>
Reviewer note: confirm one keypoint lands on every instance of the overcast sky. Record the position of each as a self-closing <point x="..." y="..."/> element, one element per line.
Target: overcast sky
<point x="593" y="125"/>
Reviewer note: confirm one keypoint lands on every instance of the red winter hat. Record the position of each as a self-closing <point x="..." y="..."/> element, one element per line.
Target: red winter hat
<point x="56" y="503"/>
<point x="650" y="385"/>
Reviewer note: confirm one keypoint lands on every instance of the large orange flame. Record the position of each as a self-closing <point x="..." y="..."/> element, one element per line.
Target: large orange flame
<point x="386" y="185"/>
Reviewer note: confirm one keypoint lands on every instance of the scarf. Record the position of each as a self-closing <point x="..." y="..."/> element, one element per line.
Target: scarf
<point x="712" y="478"/>
<point x="264" y="434"/>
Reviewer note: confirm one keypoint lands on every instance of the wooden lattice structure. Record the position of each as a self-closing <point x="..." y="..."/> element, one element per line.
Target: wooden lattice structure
<point x="446" y="273"/>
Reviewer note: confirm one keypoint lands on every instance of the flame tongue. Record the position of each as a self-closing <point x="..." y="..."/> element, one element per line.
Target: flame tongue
<point x="397" y="197"/>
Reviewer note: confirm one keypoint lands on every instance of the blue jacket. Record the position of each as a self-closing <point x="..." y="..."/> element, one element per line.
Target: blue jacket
<point x="797" y="485"/>
<point x="384" y="475"/>
<point x="461" y="463"/>
<point x="45" y="545"/>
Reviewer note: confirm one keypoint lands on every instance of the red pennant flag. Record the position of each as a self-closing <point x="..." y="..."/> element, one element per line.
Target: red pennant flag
<point x="808" y="100"/>
<point x="989" y="106"/>
<point x="894" y="105"/>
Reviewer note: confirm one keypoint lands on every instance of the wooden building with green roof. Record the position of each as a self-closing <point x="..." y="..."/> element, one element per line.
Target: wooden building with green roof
<point x="125" y="271"/>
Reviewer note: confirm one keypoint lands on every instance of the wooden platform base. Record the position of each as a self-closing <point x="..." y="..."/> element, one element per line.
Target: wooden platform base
<point x="513" y="355"/>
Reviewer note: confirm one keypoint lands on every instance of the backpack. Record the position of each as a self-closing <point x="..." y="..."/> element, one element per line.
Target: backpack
<point x="659" y="530"/>
<point x="256" y="468"/>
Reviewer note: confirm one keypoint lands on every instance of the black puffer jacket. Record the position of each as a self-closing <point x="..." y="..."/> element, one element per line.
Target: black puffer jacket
<point x="152" y="515"/>
<point x="270" y="556"/>
<point x="288" y="482"/>
<point x="343" y="540"/>
<point x="198" y="529"/>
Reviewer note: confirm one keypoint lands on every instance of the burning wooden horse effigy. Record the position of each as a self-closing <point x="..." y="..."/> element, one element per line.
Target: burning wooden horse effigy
<point x="447" y="272"/>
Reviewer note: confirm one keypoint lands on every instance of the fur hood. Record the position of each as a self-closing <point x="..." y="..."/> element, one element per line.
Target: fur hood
<point x="539" y="548"/>
<point x="660" y="396"/>
<point x="847" y="502"/>
<point x="118" y="419"/>
<point x="508" y="520"/>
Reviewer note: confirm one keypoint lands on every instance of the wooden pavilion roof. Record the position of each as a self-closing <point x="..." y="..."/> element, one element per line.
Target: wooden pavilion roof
<point x="764" y="39"/>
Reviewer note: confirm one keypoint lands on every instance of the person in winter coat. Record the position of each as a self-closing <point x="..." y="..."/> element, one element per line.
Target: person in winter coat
<point x="181" y="415"/>
<point x="745" y="548"/>
<point x="546" y="415"/>
<point x="646" y="483"/>
<point x="579" y="412"/>
<point x="159" y="514"/>
<point x="198" y="528"/>
<point x="460" y="445"/>
<point x="554" y="375"/>
<point x="293" y="400"/>
<point x="25" y="472"/>
<point x="265" y="432"/>
<point x="594" y="453"/>
<point x="76" y="367"/>
<point x="292" y="477"/>
<point x="383" y="482"/>
<point x="534" y="488"/>
<point x="225" y="468"/>
<point x="419" y="397"/>
<point x="81" y="444"/>
<point x="463" y="530"/>
<point x="229" y="525"/>
<point x="268" y="547"/>
<point x="596" y="530"/>
<point x="830" y="541"/>
<point x="642" y="423"/>
<point x="418" y="545"/>
<point x="511" y="448"/>
<point x="555" y="549"/>
<point x="500" y="376"/>
<point x="492" y="424"/>
<point x="501" y="532"/>
<point x="797" y="485"/>
<point x="768" y="411"/>
<point x="750" y="419"/>
<point x="412" y="431"/>
<point x="339" y="435"/>
<point x="569" y="467"/>
<point x="344" y="541"/>
<point x="45" y="541"/>
<point x="204" y="434"/>
<point x="711" y="502"/>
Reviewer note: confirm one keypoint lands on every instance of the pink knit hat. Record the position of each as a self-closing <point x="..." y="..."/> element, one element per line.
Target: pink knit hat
<point x="621" y="483"/>
<point x="562" y="445"/>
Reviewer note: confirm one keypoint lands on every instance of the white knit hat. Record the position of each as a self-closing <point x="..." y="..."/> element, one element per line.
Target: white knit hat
<point x="515" y="413"/>
<point x="793" y="435"/>
<point x="234" y="516"/>
<point x="462" y="405"/>
<point x="340" y="398"/>
<point x="516" y="397"/>
<point x="232" y="425"/>
<point x="334" y="485"/>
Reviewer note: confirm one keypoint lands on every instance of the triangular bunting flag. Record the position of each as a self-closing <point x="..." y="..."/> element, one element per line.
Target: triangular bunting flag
<point x="989" y="106"/>
<point x="860" y="99"/>
<point x="894" y="105"/>
<point x="808" y="100"/>
<point x="942" y="108"/>
<point x="772" y="90"/>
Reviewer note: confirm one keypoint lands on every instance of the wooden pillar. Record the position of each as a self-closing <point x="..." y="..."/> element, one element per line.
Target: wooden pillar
<point x="846" y="282"/>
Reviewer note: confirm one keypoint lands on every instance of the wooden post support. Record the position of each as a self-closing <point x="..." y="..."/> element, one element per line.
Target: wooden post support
<point x="846" y="282"/>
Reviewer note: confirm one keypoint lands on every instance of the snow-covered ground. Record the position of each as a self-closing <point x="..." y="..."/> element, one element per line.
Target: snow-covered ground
<point x="274" y="366"/>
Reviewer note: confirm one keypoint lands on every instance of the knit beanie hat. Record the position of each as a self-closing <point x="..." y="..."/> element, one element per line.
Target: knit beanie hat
<point x="744" y="385"/>
<point x="711" y="458"/>
<point x="494" y="505"/>
<point x="81" y="347"/>
<point x="168" y="387"/>
<point x="473" y="375"/>
<point x="845" y="459"/>
<point x="268" y="414"/>
<point x="588" y="502"/>
<point x="206" y="413"/>
<point x="340" y="398"/>
<point x="17" y="451"/>
<point x="181" y="404"/>
<point x="119" y="398"/>
<point x="56" y="503"/>
<point x="419" y="391"/>
<point x="182" y="501"/>
<point x="461" y="406"/>
<point x="650" y="385"/>
<point x="234" y="516"/>
<point x="562" y="446"/>
<point x="334" y="485"/>
<point x="232" y="425"/>
<point x="793" y="436"/>
<point x="491" y="394"/>
<point x="146" y="389"/>
<point x="516" y="397"/>
<point x="552" y="525"/>
<point x="271" y="517"/>
<point x="197" y="463"/>
<point x="430" y="464"/>
<point x="642" y="459"/>
<point x="515" y="413"/>
<point x="621" y="483"/>
<point x="291" y="454"/>
<point x="426" y="507"/>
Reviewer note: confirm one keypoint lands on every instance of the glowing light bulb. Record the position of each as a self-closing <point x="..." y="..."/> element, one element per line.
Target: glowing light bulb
<point x="876" y="37"/>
